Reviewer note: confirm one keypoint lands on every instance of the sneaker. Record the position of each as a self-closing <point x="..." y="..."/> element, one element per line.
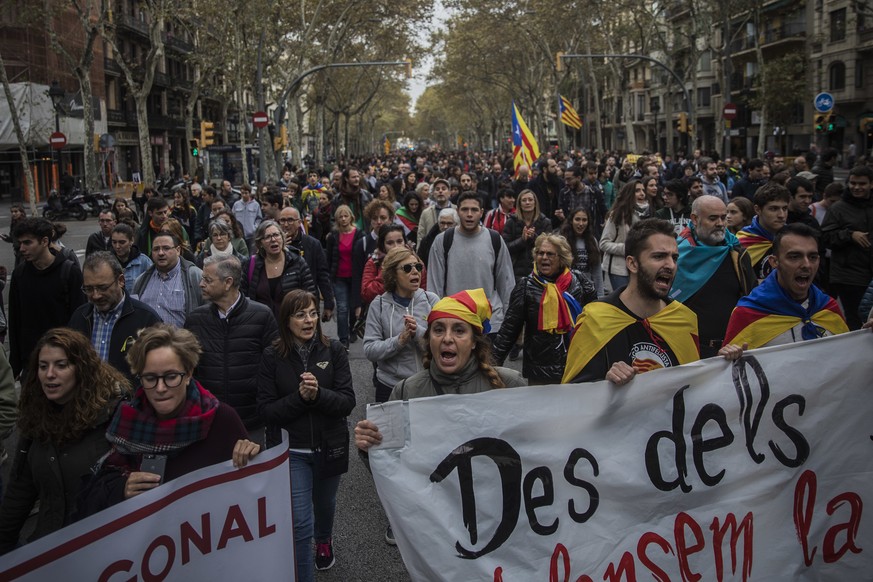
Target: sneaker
<point x="389" y="537"/>
<point x="515" y="352"/>
<point x="324" y="559"/>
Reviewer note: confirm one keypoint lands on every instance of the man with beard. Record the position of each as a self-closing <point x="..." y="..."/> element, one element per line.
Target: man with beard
<point x="547" y="186"/>
<point x="787" y="307"/>
<point x="748" y="185"/>
<point x="714" y="272"/>
<point x="638" y="328"/>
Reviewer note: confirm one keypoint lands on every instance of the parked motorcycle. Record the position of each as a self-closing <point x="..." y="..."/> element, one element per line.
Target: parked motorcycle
<point x="59" y="208"/>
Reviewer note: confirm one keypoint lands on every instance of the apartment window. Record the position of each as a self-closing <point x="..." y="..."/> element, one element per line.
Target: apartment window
<point x="838" y="25"/>
<point x="859" y="74"/>
<point x="704" y="97"/>
<point x="837" y="76"/>
<point x="705" y="63"/>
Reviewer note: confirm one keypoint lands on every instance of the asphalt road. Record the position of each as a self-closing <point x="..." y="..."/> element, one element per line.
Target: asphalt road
<point x="359" y="544"/>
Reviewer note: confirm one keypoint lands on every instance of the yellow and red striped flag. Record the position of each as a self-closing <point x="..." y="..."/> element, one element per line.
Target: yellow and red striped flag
<point x="569" y="115"/>
<point x="524" y="146"/>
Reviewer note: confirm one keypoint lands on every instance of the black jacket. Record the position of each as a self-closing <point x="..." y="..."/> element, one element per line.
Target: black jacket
<point x="232" y="350"/>
<point x="549" y="197"/>
<point x="38" y="475"/>
<point x="135" y="315"/>
<point x="280" y="403"/>
<point x="295" y="275"/>
<point x="96" y="242"/>
<point x="850" y="264"/>
<point x="313" y="253"/>
<point x="521" y="250"/>
<point x="545" y="354"/>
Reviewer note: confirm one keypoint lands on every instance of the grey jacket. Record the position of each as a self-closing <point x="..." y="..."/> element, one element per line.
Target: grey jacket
<point x="421" y="385"/>
<point x="384" y="326"/>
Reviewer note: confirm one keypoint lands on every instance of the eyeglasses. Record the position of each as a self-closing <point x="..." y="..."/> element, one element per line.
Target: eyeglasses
<point x="164" y="249"/>
<point x="90" y="289"/>
<point x="303" y="315"/>
<point x="407" y="268"/>
<point x="274" y="236"/>
<point x="546" y="254"/>
<point x="171" y="380"/>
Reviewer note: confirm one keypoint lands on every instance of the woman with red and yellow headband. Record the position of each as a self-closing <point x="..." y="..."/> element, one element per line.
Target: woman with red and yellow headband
<point x="456" y="358"/>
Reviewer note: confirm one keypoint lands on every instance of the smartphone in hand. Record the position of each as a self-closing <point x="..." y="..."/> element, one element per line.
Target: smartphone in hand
<point x="154" y="464"/>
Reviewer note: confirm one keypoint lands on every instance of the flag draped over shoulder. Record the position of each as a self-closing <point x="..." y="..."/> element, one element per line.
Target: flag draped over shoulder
<point x="569" y="115"/>
<point x="756" y="240"/>
<point x="599" y="322"/>
<point x="768" y="311"/>
<point x="524" y="147"/>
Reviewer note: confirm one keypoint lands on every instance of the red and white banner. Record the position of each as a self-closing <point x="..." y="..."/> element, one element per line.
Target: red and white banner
<point x="757" y="470"/>
<point x="218" y="523"/>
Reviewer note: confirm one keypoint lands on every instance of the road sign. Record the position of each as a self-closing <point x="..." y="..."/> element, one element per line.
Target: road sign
<point x="260" y="119"/>
<point x="57" y="140"/>
<point x="730" y="111"/>
<point x="824" y="102"/>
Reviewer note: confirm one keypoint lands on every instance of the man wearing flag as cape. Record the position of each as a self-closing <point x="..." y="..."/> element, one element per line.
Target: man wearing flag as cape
<point x="787" y="307"/>
<point x="638" y="328"/>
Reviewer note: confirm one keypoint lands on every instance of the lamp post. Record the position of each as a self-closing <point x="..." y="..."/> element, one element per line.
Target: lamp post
<point x="56" y="94"/>
<point x="655" y="110"/>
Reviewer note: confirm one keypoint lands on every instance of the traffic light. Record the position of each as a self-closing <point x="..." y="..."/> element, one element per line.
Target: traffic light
<point x="682" y="123"/>
<point x="195" y="148"/>
<point x="280" y="142"/>
<point x="819" y="122"/>
<point x="829" y="124"/>
<point x="207" y="135"/>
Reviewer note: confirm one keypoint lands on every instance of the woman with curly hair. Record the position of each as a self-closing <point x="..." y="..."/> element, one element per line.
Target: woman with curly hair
<point x="67" y="401"/>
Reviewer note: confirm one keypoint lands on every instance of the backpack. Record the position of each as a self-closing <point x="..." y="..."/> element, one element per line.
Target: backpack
<point x="449" y="238"/>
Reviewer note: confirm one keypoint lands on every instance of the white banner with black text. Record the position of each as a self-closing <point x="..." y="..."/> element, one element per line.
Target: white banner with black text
<point x="756" y="470"/>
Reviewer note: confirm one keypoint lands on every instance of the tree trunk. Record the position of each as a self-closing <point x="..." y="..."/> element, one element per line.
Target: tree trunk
<point x="293" y="124"/>
<point x="91" y="174"/>
<point x="145" y="146"/>
<point x="319" y="133"/>
<point x="19" y="135"/>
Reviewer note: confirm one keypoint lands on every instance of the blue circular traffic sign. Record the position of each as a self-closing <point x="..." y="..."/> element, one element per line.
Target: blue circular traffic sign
<point x="824" y="102"/>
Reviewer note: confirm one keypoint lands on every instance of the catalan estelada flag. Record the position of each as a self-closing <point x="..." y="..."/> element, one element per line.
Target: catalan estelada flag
<point x="569" y="115"/>
<point x="599" y="322"/>
<point x="756" y="240"/>
<point x="525" y="150"/>
<point x="768" y="311"/>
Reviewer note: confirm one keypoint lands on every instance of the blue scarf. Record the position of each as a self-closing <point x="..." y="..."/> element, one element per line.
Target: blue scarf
<point x="697" y="263"/>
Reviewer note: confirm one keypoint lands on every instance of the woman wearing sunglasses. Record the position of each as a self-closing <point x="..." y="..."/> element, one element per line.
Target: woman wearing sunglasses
<point x="397" y="320"/>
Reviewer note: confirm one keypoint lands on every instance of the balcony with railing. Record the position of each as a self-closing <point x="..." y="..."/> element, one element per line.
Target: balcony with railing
<point x="111" y="66"/>
<point x="131" y="23"/>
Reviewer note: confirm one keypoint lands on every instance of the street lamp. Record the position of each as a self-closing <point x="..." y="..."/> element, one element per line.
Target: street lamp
<point x="656" y="108"/>
<point x="56" y="94"/>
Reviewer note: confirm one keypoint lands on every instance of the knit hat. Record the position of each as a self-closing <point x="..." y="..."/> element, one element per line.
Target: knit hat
<point x="471" y="306"/>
